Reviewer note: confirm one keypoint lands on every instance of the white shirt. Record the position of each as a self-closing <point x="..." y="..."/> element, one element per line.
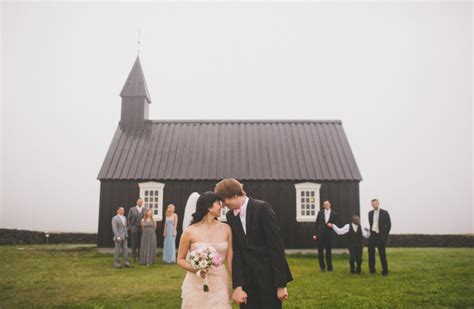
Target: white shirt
<point x="345" y="229"/>
<point x="375" y="223"/>
<point x="355" y="227"/>
<point x="139" y="208"/>
<point x="243" y="214"/>
<point x="123" y="219"/>
<point x="327" y="214"/>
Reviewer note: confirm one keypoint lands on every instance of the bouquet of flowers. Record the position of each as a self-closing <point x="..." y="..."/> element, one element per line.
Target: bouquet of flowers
<point x="203" y="259"/>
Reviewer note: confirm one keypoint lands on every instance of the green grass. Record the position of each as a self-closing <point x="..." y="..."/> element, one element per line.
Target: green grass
<point x="78" y="276"/>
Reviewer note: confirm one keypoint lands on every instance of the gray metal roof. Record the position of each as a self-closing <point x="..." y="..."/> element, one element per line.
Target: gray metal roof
<point x="243" y="149"/>
<point x="135" y="86"/>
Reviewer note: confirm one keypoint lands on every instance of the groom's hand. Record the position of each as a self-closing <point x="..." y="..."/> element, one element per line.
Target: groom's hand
<point x="239" y="295"/>
<point x="282" y="294"/>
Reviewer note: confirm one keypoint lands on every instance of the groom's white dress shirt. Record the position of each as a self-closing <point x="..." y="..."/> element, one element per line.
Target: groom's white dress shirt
<point x="139" y="208"/>
<point x="243" y="213"/>
<point x="375" y="224"/>
<point x="327" y="215"/>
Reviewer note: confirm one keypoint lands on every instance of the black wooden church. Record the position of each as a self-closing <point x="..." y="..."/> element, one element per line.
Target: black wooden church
<point x="293" y="164"/>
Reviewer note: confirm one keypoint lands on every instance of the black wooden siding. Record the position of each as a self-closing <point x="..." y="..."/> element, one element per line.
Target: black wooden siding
<point x="344" y="196"/>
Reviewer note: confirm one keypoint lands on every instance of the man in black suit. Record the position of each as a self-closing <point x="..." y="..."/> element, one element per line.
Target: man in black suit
<point x="324" y="234"/>
<point x="380" y="225"/>
<point x="260" y="271"/>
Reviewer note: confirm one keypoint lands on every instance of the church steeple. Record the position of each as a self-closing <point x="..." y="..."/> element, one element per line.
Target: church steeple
<point x="135" y="86"/>
<point x="135" y="99"/>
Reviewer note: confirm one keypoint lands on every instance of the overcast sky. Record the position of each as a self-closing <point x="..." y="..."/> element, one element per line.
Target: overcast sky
<point x="398" y="75"/>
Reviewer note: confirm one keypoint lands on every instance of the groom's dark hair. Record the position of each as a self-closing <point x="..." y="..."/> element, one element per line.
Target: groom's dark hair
<point x="228" y="188"/>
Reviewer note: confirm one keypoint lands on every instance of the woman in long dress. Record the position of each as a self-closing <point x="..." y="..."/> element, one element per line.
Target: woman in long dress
<point x="205" y="231"/>
<point x="169" y="233"/>
<point x="148" y="241"/>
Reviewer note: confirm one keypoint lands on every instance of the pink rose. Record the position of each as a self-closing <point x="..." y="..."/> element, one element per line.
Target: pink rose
<point x="217" y="260"/>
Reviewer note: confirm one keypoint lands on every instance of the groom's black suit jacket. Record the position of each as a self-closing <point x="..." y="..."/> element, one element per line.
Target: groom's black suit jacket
<point x="259" y="255"/>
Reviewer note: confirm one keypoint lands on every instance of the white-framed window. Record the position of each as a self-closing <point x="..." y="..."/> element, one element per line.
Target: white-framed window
<point x="224" y="211"/>
<point x="307" y="201"/>
<point x="152" y="195"/>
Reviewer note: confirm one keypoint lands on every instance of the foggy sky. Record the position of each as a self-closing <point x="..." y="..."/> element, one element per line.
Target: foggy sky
<point x="398" y="75"/>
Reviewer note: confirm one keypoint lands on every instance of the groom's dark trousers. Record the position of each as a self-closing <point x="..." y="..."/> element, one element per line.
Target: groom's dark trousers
<point x="259" y="264"/>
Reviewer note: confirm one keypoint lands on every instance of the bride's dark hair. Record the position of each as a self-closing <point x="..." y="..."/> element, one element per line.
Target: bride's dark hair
<point x="203" y="204"/>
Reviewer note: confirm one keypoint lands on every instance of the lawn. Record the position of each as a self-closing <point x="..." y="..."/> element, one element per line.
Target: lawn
<point x="78" y="276"/>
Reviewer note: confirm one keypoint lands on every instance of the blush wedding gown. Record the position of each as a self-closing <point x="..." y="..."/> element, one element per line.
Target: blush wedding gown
<point x="218" y="296"/>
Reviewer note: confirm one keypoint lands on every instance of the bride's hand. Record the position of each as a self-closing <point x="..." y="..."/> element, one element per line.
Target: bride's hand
<point x="239" y="296"/>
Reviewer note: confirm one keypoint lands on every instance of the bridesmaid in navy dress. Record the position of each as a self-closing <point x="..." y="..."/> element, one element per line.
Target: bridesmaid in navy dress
<point x="169" y="233"/>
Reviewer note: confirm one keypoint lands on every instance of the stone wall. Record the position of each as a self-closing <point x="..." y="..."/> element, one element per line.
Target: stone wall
<point x="12" y="237"/>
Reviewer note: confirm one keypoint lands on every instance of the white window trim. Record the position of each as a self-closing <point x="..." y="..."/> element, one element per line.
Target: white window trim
<point x="154" y="186"/>
<point x="305" y="186"/>
<point x="224" y="211"/>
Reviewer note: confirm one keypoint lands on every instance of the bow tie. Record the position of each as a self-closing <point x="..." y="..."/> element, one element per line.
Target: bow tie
<point x="236" y="211"/>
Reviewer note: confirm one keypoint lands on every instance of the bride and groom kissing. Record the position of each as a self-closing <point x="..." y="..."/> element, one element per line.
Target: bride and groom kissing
<point x="250" y="243"/>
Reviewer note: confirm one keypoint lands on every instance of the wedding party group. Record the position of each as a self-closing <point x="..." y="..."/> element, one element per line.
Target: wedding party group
<point x="142" y="227"/>
<point x="377" y="234"/>
<point x="241" y="260"/>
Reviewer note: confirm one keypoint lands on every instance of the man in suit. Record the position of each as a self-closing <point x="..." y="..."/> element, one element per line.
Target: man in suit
<point x="324" y="234"/>
<point x="380" y="225"/>
<point x="119" y="228"/>
<point x="260" y="271"/>
<point x="135" y="215"/>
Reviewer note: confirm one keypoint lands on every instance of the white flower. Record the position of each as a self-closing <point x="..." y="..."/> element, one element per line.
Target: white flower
<point x="203" y="264"/>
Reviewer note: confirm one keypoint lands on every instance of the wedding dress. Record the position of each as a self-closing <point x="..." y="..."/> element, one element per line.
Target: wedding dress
<point x="218" y="296"/>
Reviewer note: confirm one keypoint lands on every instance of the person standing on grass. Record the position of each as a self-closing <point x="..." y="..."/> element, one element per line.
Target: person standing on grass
<point x="355" y="240"/>
<point x="135" y="215"/>
<point x="260" y="271"/>
<point x="324" y="234"/>
<point x="119" y="228"/>
<point x="169" y="234"/>
<point x="380" y="226"/>
<point x="148" y="241"/>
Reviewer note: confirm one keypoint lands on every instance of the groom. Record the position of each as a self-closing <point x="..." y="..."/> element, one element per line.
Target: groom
<point x="259" y="268"/>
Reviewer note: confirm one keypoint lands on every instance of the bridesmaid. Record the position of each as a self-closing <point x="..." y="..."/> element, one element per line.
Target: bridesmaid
<point x="148" y="241"/>
<point x="169" y="233"/>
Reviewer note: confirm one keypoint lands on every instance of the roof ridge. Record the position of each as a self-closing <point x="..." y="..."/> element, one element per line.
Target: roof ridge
<point x="244" y="121"/>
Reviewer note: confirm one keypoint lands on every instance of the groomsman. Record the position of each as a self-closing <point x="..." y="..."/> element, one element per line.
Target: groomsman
<point x="324" y="234"/>
<point x="380" y="226"/>
<point x="119" y="227"/>
<point x="355" y="235"/>
<point x="135" y="215"/>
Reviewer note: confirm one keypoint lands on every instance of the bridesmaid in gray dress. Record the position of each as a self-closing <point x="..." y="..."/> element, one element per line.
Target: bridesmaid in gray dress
<point x="169" y="233"/>
<point x="148" y="241"/>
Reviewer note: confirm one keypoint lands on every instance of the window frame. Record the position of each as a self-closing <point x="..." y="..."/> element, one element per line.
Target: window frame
<point x="223" y="217"/>
<point x="307" y="186"/>
<point x="156" y="186"/>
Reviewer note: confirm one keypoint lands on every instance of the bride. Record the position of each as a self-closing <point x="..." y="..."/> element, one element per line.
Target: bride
<point x="204" y="231"/>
